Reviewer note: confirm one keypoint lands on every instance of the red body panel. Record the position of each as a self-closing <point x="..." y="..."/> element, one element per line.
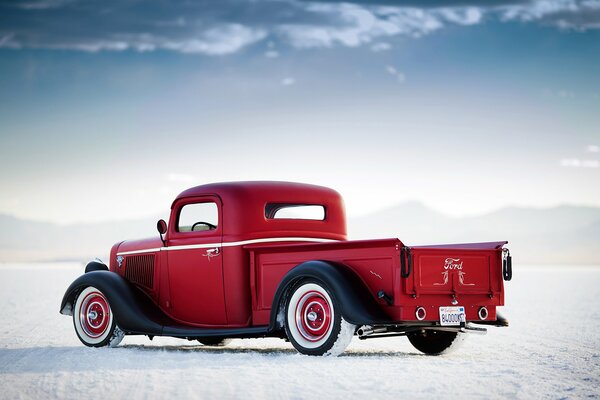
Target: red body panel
<point x="228" y="276"/>
<point x="376" y="262"/>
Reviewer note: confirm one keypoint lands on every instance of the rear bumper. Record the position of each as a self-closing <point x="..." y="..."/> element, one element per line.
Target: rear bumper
<point x="473" y="311"/>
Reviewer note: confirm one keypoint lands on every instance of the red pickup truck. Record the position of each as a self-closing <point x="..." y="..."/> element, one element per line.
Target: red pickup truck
<point x="271" y="259"/>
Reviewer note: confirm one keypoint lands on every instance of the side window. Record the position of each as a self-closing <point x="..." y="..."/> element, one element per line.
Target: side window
<point x="198" y="217"/>
<point x="295" y="211"/>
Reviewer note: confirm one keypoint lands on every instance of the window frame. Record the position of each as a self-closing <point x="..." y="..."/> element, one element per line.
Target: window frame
<point x="174" y="233"/>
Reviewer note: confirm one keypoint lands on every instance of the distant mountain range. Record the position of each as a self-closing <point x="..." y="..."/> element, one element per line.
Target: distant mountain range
<point x="560" y="235"/>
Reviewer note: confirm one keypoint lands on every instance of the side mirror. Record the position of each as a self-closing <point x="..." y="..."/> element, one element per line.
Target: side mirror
<point x="161" y="226"/>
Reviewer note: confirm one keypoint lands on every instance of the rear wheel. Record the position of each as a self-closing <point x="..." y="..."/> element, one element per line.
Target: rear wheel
<point x="214" y="341"/>
<point x="313" y="320"/>
<point x="435" y="342"/>
<point x="93" y="319"/>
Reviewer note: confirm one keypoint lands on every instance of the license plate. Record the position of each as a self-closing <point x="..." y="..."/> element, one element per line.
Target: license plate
<point x="452" y="315"/>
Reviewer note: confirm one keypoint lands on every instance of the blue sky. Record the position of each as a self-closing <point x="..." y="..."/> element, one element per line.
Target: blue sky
<point x="108" y="111"/>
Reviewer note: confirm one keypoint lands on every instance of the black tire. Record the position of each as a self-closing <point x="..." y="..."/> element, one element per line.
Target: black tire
<point x="214" y="341"/>
<point x="435" y="342"/>
<point x="313" y="320"/>
<point x="93" y="319"/>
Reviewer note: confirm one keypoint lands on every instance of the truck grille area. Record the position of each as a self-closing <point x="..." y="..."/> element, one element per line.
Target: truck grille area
<point x="140" y="270"/>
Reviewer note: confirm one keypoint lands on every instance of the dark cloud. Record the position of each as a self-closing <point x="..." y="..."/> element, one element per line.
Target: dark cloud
<point x="227" y="26"/>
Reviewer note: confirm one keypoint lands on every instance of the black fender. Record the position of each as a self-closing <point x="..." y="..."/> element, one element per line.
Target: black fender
<point x="95" y="265"/>
<point x="357" y="304"/>
<point x="134" y="312"/>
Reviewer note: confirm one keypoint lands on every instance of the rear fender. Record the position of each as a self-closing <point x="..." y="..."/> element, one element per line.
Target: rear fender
<point x="134" y="312"/>
<point x="356" y="302"/>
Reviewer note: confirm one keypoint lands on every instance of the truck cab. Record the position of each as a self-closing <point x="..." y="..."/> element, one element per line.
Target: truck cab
<point x="200" y="274"/>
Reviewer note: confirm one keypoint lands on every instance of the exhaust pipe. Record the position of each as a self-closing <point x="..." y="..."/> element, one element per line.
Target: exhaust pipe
<point x="367" y="330"/>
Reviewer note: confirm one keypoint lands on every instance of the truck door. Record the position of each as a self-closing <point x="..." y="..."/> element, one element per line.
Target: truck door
<point x="195" y="261"/>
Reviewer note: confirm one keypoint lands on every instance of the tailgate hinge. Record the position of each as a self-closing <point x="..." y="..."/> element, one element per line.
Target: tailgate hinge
<point x="405" y="262"/>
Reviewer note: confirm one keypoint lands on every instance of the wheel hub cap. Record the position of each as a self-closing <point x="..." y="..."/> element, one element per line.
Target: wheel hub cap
<point x="313" y="316"/>
<point x="94" y="314"/>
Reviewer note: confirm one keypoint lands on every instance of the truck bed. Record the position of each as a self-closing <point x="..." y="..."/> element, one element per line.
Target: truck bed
<point x="468" y="275"/>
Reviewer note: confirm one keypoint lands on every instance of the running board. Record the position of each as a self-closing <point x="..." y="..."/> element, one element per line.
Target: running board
<point x="192" y="332"/>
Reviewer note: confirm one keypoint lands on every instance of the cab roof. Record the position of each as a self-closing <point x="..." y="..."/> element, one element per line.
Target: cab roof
<point x="243" y="208"/>
<point x="267" y="190"/>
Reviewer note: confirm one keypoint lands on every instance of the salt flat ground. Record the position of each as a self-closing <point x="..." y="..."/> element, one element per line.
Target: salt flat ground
<point x="551" y="350"/>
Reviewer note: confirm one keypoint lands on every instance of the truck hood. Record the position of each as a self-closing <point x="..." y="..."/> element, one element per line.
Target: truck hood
<point x="153" y="243"/>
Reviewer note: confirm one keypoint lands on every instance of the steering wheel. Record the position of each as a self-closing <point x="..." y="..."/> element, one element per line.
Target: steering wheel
<point x="210" y="226"/>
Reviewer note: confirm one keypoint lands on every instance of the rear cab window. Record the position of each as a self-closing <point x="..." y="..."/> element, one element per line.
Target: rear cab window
<point x="311" y="212"/>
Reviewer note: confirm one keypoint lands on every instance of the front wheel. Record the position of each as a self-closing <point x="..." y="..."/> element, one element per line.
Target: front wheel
<point x="93" y="320"/>
<point x="434" y="342"/>
<point x="313" y="321"/>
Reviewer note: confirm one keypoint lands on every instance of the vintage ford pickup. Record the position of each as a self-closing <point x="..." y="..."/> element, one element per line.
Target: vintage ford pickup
<point x="271" y="259"/>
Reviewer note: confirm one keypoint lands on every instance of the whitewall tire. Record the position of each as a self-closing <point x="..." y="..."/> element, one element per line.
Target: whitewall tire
<point x="313" y="320"/>
<point x="94" y="321"/>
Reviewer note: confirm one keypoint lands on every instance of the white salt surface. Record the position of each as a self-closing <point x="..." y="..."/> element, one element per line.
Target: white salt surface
<point x="551" y="350"/>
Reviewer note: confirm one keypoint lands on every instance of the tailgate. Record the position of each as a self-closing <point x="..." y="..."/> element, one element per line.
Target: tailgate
<point x="455" y="269"/>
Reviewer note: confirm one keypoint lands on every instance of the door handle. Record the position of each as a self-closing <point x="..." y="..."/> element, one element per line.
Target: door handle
<point x="212" y="252"/>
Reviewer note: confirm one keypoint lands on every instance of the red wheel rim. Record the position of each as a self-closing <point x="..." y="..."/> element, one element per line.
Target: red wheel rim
<point x="94" y="314"/>
<point x="313" y="316"/>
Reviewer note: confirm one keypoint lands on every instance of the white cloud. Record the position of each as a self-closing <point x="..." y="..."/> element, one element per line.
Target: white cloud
<point x="462" y="16"/>
<point x="400" y="77"/>
<point x="354" y="25"/>
<point x="357" y="25"/>
<point x="43" y="4"/>
<point x="220" y="40"/>
<point x="563" y="14"/>
<point x="590" y="164"/>
<point x="289" y="81"/>
<point x="577" y="163"/>
<point x="7" y="42"/>
<point x="381" y="46"/>
<point x="592" y="148"/>
<point x="212" y="28"/>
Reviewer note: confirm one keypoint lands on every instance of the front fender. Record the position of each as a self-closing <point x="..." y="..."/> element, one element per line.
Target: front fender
<point x="134" y="312"/>
<point x="95" y="265"/>
<point x="356" y="302"/>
